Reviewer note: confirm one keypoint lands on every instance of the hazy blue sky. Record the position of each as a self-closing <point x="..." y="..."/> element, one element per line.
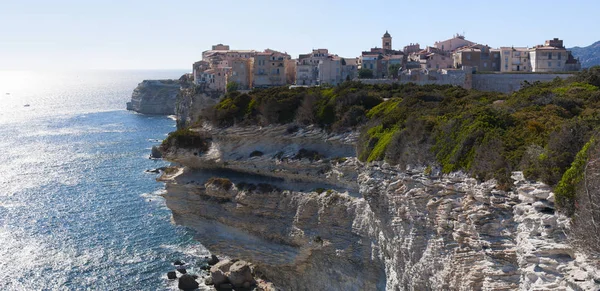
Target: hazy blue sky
<point x="86" y="34"/>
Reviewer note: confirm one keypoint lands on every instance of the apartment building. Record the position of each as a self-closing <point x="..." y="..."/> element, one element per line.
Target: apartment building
<point x="552" y="57"/>
<point x="307" y="67"/>
<point x="481" y="58"/>
<point x="269" y="69"/>
<point x="514" y="59"/>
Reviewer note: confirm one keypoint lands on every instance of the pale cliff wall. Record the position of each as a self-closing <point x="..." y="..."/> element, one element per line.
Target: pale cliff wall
<point x="154" y="97"/>
<point x="377" y="228"/>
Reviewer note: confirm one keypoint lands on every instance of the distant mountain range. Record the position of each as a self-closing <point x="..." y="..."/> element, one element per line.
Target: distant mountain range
<point x="589" y="56"/>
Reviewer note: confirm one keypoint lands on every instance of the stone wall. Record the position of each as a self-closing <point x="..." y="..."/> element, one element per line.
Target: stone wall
<point x="504" y="83"/>
<point x="507" y="83"/>
<point x="453" y="77"/>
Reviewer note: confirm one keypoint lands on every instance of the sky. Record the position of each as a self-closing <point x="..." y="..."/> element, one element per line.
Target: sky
<point x="128" y="34"/>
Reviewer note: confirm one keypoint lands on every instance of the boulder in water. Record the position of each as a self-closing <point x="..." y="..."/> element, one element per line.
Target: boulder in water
<point x="172" y="275"/>
<point x="187" y="282"/>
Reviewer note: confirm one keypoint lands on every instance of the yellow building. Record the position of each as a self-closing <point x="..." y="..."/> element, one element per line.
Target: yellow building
<point x="515" y="59"/>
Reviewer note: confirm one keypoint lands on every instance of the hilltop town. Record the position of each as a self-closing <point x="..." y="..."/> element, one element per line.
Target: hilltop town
<point x="222" y="68"/>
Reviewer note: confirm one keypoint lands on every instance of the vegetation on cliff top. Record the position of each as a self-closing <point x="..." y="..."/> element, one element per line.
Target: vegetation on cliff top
<point x="187" y="139"/>
<point x="539" y="129"/>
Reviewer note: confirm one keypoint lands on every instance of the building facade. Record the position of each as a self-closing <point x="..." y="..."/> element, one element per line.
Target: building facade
<point x="241" y="73"/>
<point x="515" y="59"/>
<point x="552" y="57"/>
<point x="480" y="57"/>
<point x="269" y="69"/>
<point x="307" y="67"/>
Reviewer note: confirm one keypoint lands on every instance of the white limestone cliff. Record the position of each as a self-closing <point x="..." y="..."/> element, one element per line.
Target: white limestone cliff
<point x="337" y="224"/>
<point x="154" y="97"/>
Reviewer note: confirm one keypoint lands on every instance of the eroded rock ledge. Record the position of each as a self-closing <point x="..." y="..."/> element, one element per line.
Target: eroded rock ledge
<point x="298" y="204"/>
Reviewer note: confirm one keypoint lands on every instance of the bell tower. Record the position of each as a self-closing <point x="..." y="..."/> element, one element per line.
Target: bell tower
<point x="386" y="41"/>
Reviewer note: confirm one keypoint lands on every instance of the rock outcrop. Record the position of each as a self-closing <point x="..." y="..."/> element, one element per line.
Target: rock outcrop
<point x="325" y="221"/>
<point x="156" y="97"/>
<point x="191" y="102"/>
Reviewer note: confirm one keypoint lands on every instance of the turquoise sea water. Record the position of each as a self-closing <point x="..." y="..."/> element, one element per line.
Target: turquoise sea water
<point x="77" y="209"/>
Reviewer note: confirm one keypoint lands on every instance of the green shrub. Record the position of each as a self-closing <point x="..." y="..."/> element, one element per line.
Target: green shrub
<point x="187" y="139"/>
<point x="538" y="129"/>
<point x="566" y="188"/>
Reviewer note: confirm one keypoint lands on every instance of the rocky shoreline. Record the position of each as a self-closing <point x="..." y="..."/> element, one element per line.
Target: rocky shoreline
<point x="332" y="222"/>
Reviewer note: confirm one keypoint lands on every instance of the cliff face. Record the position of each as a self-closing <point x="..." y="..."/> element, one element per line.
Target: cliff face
<point x="191" y="101"/>
<point x="298" y="204"/>
<point x="155" y="97"/>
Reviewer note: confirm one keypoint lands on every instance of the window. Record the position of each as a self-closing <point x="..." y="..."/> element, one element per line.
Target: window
<point x="550" y="55"/>
<point x="559" y="56"/>
<point x="558" y="64"/>
<point x="485" y="65"/>
<point x="549" y="64"/>
<point x="468" y="56"/>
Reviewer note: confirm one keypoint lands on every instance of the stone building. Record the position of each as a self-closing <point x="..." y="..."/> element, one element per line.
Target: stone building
<point x="386" y="41"/>
<point x="431" y="58"/>
<point x="335" y="70"/>
<point x="480" y="57"/>
<point x="411" y="48"/>
<point x="514" y="59"/>
<point x="552" y="57"/>
<point x="307" y="67"/>
<point x="269" y="69"/>
<point x="378" y="60"/>
<point x="241" y="73"/>
<point x="450" y="45"/>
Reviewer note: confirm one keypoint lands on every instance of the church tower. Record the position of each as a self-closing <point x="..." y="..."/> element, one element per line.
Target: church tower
<point x="386" y="41"/>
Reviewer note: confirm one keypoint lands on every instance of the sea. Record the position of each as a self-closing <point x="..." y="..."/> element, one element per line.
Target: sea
<point x="78" y="209"/>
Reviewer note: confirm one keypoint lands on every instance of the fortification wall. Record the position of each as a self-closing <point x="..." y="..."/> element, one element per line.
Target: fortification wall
<point x="507" y="83"/>
<point x="504" y="83"/>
